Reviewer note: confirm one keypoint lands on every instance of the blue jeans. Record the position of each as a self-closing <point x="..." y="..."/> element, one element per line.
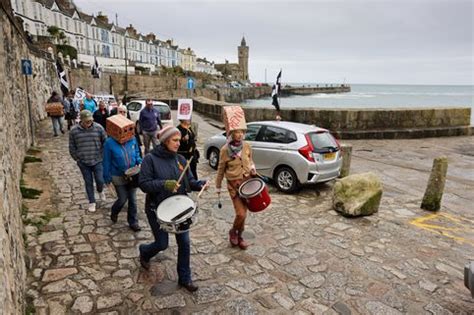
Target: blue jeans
<point x="57" y="124"/>
<point x="89" y="173"/>
<point x="124" y="193"/>
<point x="147" y="251"/>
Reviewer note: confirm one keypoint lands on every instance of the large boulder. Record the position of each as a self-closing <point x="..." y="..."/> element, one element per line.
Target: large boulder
<point x="357" y="195"/>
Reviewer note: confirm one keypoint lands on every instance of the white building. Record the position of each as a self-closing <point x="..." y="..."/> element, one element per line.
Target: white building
<point x="202" y="65"/>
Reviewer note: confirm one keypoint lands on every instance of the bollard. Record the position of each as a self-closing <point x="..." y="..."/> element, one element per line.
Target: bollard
<point x="346" y="151"/>
<point x="434" y="190"/>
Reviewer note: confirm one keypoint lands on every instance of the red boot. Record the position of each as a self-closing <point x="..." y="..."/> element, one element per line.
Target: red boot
<point x="234" y="237"/>
<point x="242" y="243"/>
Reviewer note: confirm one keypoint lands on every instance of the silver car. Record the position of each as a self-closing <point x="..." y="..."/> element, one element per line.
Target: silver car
<point x="290" y="153"/>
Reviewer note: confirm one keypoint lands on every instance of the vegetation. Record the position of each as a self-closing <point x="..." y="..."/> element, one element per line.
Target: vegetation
<point x="31" y="159"/>
<point x="67" y="50"/>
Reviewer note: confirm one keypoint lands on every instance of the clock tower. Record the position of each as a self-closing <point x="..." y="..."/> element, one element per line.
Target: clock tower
<point x="243" y="50"/>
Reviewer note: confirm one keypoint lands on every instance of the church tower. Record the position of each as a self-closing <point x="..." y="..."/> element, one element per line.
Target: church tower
<point x="243" y="50"/>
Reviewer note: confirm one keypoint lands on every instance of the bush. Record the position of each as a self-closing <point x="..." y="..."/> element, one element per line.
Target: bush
<point x="67" y="50"/>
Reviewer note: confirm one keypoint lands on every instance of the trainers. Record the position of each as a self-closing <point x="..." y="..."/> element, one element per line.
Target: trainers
<point x="91" y="207"/>
<point x="102" y="196"/>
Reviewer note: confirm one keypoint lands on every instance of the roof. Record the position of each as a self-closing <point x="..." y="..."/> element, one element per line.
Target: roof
<point x="298" y="127"/>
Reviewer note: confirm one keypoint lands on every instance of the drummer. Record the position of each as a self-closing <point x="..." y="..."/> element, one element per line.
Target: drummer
<point x="118" y="158"/>
<point x="236" y="164"/>
<point x="158" y="179"/>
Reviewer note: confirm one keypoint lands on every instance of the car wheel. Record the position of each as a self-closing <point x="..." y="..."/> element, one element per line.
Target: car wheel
<point x="286" y="180"/>
<point x="214" y="158"/>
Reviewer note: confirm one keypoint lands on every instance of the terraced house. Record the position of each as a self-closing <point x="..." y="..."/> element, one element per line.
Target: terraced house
<point x="97" y="37"/>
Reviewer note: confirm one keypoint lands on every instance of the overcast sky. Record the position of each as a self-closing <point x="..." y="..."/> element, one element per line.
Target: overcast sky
<point x="359" y="41"/>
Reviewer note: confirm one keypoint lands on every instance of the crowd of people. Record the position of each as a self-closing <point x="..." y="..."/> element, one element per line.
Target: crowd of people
<point x="105" y="161"/>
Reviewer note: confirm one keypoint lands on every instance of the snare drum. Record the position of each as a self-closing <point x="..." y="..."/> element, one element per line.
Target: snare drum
<point x="176" y="214"/>
<point x="132" y="174"/>
<point x="255" y="192"/>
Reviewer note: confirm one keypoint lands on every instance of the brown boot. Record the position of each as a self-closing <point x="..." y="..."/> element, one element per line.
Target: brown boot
<point x="242" y="243"/>
<point x="234" y="237"/>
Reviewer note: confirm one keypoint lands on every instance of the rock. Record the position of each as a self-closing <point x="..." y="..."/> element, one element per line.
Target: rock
<point x="296" y="291"/>
<point x="217" y="259"/>
<point x="427" y="285"/>
<point x="242" y="285"/>
<point x="65" y="285"/>
<point x="240" y="306"/>
<point x="57" y="274"/>
<point x="436" y="309"/>
<point x="51" y="236"/>
<point x="109" y="301"/>
<point x="357" y="195"/>
<point x="313" y="281"/>
<point x="279" y="259"/>
<point x="210" y="294"/>
<point x="434" y="190"/>
<point x="346" y="151"/>
<point x="284" y="301"/>
<point x="449" y="270"/>
<point x="376" y="308"/>
<point x="170" y="301"/>
<point x="83" y="304"/>
<point x="341" y="308"/>
<point x="312" y="306"/>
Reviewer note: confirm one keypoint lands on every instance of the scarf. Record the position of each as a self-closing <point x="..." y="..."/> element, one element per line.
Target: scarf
<point x="234" y="148"/>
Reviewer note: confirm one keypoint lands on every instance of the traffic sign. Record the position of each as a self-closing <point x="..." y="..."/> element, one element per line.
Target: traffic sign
<point x="26" y="67"/>
<point x="190" y="83"/>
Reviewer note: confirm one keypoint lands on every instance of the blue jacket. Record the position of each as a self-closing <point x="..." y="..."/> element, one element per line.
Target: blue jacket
<point x="149" y="119"/>
<point x="161" y="165"/>
<point x="90" y="105"/>
<point x="118" y="158"/>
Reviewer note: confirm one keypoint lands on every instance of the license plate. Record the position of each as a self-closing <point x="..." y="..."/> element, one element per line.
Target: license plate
<point x="329" y="156"/>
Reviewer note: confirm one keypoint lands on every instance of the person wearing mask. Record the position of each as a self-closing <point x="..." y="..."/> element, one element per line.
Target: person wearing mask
<point x="158" y="179"/>
<point x="187" y="147"/>
<point x="89" y="103"/>
<point x="101" y="115"/>
<point x="57" y="121"/>
<point x="119" y="157"/>
<point x="150" y="124"/>
<point x="236" y="164"/>
<point x="122" y="110"/>
<point x="86" y="142"/>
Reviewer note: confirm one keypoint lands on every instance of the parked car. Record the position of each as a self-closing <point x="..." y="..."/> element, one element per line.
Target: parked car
<point x="109" y="100"/>
<point x="292" y="154"/>
<point x="134" y="107"/>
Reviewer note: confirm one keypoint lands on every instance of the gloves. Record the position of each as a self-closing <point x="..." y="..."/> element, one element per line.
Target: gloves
<point x="170" y="184"/>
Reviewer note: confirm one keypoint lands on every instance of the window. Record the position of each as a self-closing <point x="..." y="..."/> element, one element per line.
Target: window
<point x="274" y="134"/>
<point x="252" y="132"/>
<point x="322" y="141"/>
<point x="134" y="106"/>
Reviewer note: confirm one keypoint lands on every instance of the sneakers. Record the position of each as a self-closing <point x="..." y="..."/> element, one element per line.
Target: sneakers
<point x="102" y="196"/>
<point x="91" y="207"/>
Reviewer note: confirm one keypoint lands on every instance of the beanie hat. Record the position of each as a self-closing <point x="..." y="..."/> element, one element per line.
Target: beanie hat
<point x="167" y="132"/>
<point x="86" y="115"/>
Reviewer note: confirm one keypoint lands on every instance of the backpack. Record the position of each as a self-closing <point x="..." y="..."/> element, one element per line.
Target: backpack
<point x="72" y="114"/>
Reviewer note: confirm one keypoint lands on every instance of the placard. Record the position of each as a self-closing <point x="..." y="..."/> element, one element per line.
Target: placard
<point x="185" y="109"/>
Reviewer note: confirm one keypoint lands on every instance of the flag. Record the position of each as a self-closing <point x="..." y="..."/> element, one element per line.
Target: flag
<point x="95" y="69"/>
<point x="276" y="91"/>
<point x="62" y="78"/>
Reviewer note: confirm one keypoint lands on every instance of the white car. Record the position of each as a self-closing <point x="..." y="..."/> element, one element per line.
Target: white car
<point x="109" y="100"/>
<point x="134" y="107"/>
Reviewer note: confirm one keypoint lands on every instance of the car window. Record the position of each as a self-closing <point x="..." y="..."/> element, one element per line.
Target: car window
<point x="252" y="132"/>
<point x="274" y="134"/>
<point x="134" y="106"/>
<point x="291" y="137"/>
<point x="322" y="141"/>
<point x="161" y="108"/>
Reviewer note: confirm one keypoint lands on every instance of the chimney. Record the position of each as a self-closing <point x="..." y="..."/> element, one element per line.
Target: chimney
<point x="151" y="37"/>
<point x="103" y="18"/>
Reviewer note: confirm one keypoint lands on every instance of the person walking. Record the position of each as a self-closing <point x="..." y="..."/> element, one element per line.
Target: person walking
<point x="236" y="164"/>
<point x="89" y="103"/>
<point x="118" y="158"/>
<point x="101" y="115"/>
<point x="122" y="110"/>
<point x="187" y="147"/>
<point x="150" y="124"/>
<point x="86" y="142"/>
<point x="71" y="108"/>
<point x="57" y="121"/>
<point x="158" y="179"/>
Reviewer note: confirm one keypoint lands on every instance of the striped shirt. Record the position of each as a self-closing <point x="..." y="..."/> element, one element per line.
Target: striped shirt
<point x="86" y="145"/>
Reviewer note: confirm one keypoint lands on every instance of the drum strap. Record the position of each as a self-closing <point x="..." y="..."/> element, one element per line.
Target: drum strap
<point x="182" y="214"/>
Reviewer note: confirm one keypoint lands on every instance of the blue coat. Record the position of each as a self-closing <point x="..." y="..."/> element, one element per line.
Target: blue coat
<point x="157" y="167"/>
<point x="118" y="158"/>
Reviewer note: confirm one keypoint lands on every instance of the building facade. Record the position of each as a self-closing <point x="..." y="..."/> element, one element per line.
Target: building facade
<point x="237" y="71"/>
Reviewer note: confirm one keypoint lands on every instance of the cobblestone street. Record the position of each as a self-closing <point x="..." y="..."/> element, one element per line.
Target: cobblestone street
<point x="304" y="258"/>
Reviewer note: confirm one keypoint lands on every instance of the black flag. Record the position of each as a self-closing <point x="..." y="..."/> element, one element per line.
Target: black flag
<point x="276" y="91"/>
<point x="62" y="78"/>
<point x="95" y="69"/>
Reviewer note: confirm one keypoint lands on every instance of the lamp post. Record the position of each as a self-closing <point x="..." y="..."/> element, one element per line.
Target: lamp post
<point x="126" y="69"/>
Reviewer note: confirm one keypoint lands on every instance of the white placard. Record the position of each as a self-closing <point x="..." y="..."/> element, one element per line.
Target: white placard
<point x="80" y="94"/>
<point x="185" y="109"/>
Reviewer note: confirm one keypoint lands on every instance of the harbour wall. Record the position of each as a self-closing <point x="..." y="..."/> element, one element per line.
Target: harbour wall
<point x="361" y="123"/>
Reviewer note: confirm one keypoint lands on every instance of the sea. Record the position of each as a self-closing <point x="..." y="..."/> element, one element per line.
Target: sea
<point x="381" y="96"/>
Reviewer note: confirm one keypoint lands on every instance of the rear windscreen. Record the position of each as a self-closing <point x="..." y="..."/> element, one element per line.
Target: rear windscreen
<point x="322" y="141"/>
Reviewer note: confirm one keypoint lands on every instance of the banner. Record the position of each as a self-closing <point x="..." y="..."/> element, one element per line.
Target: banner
<point x="185" y="109"/>
<point x="80" y="94"/>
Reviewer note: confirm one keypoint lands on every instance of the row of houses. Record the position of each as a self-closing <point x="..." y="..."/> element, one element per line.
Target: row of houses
<point x="97" y="37"/>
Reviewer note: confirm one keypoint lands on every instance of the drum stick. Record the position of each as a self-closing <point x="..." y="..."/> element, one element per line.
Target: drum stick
<point x="184" y="171"/>
<point x="202" y="189"/>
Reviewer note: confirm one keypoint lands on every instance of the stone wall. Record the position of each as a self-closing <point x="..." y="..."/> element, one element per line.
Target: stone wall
<point x="15" y="139"/>
<point x="362" y="123"/>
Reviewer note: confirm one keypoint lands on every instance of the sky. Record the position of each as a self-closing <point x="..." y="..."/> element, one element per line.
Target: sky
<point x="331" y="41"/>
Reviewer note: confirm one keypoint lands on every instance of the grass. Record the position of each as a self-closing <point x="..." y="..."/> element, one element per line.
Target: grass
<point x="31" y="159"/>
<point x="30" y="193"/>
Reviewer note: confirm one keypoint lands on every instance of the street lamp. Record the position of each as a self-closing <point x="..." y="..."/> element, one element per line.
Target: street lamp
<point x="126" y="68"/>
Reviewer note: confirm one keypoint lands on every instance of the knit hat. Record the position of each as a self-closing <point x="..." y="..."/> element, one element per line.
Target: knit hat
<point x="167" y="132"/>
<point x="86" y="115"/>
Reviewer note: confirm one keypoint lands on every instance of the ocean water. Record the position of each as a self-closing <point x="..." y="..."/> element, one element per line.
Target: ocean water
<point x="382" y="96"/>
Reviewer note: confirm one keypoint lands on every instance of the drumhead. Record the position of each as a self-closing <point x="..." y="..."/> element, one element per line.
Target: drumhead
<point x="251" y="187"/>
<point x="174" y="206"/>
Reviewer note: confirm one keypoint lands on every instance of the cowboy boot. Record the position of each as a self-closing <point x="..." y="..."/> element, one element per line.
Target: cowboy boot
<point x="242" y="243"/>
<point x="234" y="237"/>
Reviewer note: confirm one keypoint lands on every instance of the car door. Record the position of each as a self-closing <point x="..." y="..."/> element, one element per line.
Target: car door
<point x="134" y="110"/>
<point x="268" y="148"/>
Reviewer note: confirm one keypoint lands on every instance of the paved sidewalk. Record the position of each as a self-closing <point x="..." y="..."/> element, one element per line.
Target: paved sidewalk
<point x="304" y="257"/>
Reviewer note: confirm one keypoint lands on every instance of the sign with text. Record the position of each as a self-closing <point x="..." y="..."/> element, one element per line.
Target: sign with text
<point x="185" y="109"/>
<point x="80" y="94"/>
<point x="26" y="67"/>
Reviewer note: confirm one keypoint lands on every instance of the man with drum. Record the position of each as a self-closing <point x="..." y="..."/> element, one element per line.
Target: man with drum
<point x="236" y="164"/>
<point x="120" y="156"/>
<point x="159" y="176"/>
